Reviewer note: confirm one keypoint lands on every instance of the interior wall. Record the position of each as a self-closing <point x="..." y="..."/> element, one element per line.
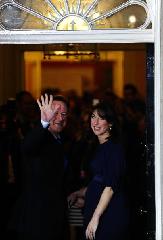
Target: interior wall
<point x="88" y="76"/>
<point x="118" y="71"/>
<point x="135" y="70"/>
<point x="32" y="72"/>
<point x="127" y="67"/>
<point x="67" y="76"/>
<point x="14" y="78"/>
<point x="77" y="76"/>
<point x="11" y="68"/>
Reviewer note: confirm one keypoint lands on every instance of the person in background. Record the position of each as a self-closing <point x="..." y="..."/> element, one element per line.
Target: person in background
<point x="27" y="112"/>
<point x="4" y="171"/>
<point x="135" y="129"/>
<point x="106" y="210"/>
<point x="40" y="210"/>
<point x="8" y="178"/>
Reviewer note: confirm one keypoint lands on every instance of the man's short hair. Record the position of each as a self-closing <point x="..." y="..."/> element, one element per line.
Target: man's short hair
<point x="62" y="99"/>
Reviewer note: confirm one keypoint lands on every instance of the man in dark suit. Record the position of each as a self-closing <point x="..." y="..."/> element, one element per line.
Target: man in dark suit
<point x="40" y="210"/>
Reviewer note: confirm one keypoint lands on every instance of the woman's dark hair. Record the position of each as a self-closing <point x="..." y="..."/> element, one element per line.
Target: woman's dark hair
<point x="105" y="111"/>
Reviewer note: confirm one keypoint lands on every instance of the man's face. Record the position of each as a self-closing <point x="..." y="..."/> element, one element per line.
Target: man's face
<point x="59" y="121"/>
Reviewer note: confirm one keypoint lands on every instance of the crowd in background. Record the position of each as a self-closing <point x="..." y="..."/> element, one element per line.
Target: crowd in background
<point x="21" y="114"/>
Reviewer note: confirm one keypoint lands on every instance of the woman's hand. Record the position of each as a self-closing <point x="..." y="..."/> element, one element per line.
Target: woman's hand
<point x="92" y="227"/>
<point x="47" y="108"/>
<point x="105" y="198"/>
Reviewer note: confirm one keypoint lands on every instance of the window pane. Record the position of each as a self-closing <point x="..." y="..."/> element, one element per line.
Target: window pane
<point x="73" y="15"/>
<point x="131" y="17"/>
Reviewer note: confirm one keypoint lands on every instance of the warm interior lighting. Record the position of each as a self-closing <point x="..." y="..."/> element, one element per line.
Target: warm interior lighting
<point x="59" y="53"/>
<point x="132" y="19"/>
<point x="72" y="55"/>
<point x="71" y="52"/>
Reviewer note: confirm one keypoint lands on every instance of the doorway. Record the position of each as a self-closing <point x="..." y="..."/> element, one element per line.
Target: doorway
<point x="86" y="67"/>
<point x="111" y="68"/>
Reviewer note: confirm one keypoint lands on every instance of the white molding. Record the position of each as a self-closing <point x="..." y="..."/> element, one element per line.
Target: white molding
<point x="151" y="5"/>
<point x="158" y="170"/>
<point x="112" y="36"/>
<point x="93" y="36"/>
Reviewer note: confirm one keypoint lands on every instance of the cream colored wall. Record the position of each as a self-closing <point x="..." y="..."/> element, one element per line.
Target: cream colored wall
<point x="135" y="69"/>
<point x="33" y="72"/>
<point x="129" y="67"/>
<point x="65" y="79"/>
<point x="117" y="57"/>
<point x="12" y="71"/>
<point x="38" y="78"/>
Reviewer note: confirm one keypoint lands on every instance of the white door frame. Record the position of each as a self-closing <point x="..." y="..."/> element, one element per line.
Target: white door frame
<point x="158" y="122"/>
<point x="116" y="36"/>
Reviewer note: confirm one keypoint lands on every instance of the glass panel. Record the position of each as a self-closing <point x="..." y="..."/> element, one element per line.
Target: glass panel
<point x="60" y="5"/>
<point x="84" y="5"/>
<point x="42" y="7"/>
<point x="36" y="23"/>
<point x="72" y="6"/>
<point x="131" y="17"/>
<point x="103" y="7"/>
<point x="73" y="15"/>
<point x="13" y="18"/>
<point x="73" y="23"/>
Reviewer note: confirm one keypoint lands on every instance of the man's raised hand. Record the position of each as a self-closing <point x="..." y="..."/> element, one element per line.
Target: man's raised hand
<point x="46" y="107"/>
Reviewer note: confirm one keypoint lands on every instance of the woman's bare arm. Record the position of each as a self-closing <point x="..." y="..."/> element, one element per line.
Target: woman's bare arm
<point x="105" y="198"/>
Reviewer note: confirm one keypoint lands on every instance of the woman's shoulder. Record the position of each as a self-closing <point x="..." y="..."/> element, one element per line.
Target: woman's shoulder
<point x="113" y="147"/>
<point x="113" y="143"/>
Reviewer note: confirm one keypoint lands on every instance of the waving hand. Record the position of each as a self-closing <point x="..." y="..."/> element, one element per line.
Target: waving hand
<point x="46" y="108"/>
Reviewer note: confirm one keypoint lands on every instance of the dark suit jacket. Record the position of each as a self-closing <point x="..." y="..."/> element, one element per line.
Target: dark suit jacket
<point x="39" y="212"/>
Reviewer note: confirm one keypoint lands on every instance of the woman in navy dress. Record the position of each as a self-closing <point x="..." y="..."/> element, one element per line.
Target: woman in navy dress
<point x="106" y="207"/>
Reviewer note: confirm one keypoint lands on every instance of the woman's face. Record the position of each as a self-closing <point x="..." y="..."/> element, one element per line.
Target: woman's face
<point x="99" y="125"/>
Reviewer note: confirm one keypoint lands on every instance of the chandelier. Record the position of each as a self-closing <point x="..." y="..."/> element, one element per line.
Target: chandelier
<point x="71" y="52"/>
